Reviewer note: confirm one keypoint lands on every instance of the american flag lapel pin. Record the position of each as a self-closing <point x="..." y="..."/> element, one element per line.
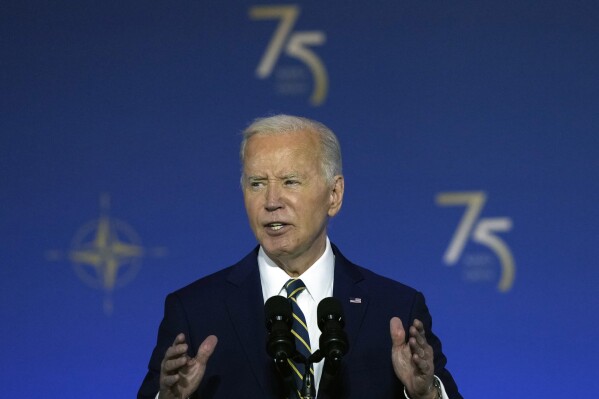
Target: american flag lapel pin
<point x="355" y="300"/>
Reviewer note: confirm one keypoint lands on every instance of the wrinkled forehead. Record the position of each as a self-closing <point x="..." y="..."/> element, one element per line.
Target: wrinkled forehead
<point x="282" y="153"/>
<point x="290" y="141"/>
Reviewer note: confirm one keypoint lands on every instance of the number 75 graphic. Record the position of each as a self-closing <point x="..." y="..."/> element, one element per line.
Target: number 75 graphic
<point x="481" y="231"/>
<point x="295" y="44"/>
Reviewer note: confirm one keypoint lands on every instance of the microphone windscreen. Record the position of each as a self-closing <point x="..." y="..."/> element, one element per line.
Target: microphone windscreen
<point x="329" y="309"/>
<point x="277" y="307"/>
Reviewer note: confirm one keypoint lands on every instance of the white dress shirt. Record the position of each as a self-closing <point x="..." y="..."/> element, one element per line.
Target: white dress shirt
<point x="318" y="280"/>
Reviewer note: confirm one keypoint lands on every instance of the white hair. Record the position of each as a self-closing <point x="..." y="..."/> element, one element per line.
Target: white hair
<point x="288" y="124"/>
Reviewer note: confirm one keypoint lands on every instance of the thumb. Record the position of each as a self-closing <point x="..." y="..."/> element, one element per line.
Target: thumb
<point x="206" y="349"/>
<point x="398" y="334"/>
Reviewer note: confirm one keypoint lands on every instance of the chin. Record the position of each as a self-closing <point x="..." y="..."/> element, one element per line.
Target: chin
<point x="275" y="247"/>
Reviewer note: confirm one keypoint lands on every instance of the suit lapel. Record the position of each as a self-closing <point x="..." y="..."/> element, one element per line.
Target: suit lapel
<point x="354" y="299"/>
<point x="246" y="308"/>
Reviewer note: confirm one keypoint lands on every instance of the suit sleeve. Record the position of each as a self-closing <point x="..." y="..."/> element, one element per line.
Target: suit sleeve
<point x="173" y="322"/>
<point x="420" y="312"/>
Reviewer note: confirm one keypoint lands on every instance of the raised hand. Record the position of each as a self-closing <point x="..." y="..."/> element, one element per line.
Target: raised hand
<point x="180" y="375"/>
<point x="412" y="360"/>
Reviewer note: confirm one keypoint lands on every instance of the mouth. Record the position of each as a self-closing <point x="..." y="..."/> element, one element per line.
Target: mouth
<point x="275" y="226"/>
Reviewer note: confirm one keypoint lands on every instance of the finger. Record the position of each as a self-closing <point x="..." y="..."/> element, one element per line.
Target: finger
<point x="206" y="350"/>
<point x="416" y="348"/>
<point x="422" y="356"/>
<point x="170" y="380"/>
<point x="172" y="366"/>
<point x="176" y="355"/>
<point x="418" y="324"/>
<point x="179" y="339"/>
<point x="417" y="331"/>
<point x="176" y="351"/>
<point x="419" y="338"/>
<point x="423" y="366"/>
<point x="398" y="334"/>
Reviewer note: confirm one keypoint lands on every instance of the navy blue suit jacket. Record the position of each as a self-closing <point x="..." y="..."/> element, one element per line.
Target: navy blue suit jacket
<point x="229" y="304"/>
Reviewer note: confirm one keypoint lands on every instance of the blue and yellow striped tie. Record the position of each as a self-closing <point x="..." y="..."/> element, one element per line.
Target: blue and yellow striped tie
<point x="299" y="329"/>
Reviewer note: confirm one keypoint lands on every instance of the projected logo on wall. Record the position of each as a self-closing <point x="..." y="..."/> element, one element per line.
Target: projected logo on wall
<point x="106" y="253"/>
<point x="292" y="79"/>
<point x="483" y="231"/>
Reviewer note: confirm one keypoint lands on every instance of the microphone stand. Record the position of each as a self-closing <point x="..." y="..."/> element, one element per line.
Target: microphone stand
<point x="284" y="370"/>
<point x="308" y="390"/>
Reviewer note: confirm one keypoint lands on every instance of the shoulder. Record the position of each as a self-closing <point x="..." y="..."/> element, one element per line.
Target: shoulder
<point x="219" y="283"/>
<point x="366" y="278"/>
<point x="386" y="292"/>
<point x="381" y="291"/>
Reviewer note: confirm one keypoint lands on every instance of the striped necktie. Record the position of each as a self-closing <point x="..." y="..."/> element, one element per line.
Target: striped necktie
<point x="299" y="329"/>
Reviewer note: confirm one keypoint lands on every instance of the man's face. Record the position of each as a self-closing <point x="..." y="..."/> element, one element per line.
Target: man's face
<point x="287" y="199"/>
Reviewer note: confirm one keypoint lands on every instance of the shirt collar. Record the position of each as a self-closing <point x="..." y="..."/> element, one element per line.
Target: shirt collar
<point x="318" y="278"/>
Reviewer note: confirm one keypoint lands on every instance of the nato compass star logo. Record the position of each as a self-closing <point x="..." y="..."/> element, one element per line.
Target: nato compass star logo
<point x="106" y="253"/>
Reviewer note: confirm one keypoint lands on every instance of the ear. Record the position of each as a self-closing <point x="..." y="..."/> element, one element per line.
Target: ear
<point x="336" y="195"/>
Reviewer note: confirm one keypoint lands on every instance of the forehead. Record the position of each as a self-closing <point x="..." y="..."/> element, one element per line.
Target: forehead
<point x="294" y="149"/>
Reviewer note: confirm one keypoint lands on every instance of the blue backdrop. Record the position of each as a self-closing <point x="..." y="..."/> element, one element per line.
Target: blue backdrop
<point x="471" y="153"/>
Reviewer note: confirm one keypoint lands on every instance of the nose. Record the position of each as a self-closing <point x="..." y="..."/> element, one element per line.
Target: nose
<point x="273" y="197"/>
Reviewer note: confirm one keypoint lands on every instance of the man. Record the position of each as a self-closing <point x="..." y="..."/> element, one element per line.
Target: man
<point x="211" y="342"/>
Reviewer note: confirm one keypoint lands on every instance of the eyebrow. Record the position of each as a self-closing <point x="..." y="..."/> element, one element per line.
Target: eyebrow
<point x="292" y="175"/>
<point x="255" y="178"/>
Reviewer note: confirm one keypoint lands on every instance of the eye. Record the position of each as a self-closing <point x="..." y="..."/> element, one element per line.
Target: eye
<point x="254" y="184"/>
<point x="292" y="182"/>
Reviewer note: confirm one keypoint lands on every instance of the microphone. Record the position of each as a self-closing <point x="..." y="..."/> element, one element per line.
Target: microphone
<point x="280" y="344"/>
<point x="333" y="340"/>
